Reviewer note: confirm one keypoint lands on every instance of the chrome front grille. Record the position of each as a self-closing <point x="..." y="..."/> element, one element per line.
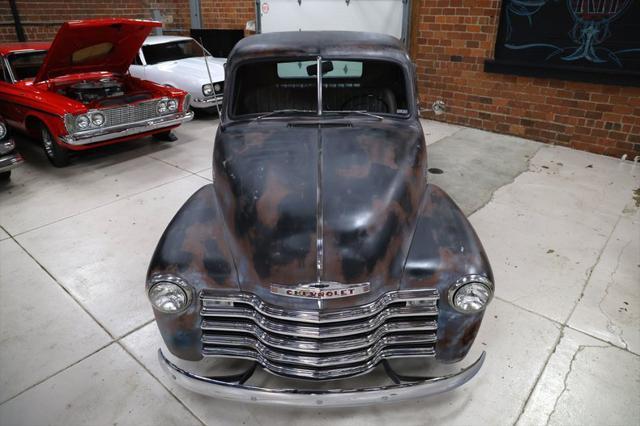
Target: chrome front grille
<point x="315" y="345"/>
<point x="131" y="113"/>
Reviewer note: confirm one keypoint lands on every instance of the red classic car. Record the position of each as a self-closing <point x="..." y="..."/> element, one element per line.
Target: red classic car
<point x="75" y="93"/>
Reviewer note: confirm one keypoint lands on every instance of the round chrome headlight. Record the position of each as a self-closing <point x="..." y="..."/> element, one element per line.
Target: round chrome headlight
<point x="168" y="297"/>
<point x="471" y="294"/>
<point x="172" y="105"/>
<point x="3" y="130"/>
<point x="82" y="122"/>
<point x="217" y="87"/>
<point x="97" y="119"/>
<point x="162" y="107"/>
<point x="207" y="89"/>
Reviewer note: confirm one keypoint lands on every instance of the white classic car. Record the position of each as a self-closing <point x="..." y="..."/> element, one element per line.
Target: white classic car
<point x="180" y="62"/>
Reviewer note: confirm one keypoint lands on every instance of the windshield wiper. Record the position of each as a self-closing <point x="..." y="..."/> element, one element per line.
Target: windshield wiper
<point x="365" y="113"/>
<point x="283" y="111"/>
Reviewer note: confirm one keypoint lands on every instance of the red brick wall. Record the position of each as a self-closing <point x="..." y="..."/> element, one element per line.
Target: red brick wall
<point x="454" y="37"/>
<point x="227" y="14"/>
<point x="42" y="18"/>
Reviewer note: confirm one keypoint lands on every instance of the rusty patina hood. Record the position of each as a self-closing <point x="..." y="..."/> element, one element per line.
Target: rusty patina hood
<point x="334" y="202"/>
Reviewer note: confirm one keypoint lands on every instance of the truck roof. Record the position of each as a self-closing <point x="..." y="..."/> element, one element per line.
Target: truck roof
<point x="319" y="43"/>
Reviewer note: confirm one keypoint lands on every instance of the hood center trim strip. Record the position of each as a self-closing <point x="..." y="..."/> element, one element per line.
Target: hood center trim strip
<point x="319" y="214"/>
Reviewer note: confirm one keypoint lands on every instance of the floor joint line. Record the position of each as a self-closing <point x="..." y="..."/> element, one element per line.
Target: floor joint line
<point x="564" y="324"/>
<point x="160" y="382"/>
<point x="97" y="207"/>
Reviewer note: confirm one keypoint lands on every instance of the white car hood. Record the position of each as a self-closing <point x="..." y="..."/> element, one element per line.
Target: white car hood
<point x="193" y="69"/>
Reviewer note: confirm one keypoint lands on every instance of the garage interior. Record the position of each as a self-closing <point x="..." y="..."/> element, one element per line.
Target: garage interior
<point x="545" y="167"/>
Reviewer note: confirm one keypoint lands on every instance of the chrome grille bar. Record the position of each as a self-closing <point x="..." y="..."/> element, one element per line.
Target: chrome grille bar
<point x="318" y="361"/>
<point x="319" y="344"/>
<point x="130" y="113"/>
<point x="315" y="346"/>
<point x="211" y="299"/>
<point x="324" y="332"/>
<point x="320" y="374"/>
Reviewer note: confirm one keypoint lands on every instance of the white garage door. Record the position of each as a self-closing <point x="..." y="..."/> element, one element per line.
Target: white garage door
<point x="380" y="16"/>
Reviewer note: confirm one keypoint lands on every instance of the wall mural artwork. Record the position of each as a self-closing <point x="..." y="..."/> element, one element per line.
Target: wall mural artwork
<point x="565" y="35"/>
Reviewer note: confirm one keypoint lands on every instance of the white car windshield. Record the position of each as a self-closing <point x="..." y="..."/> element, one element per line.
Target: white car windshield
<point x="172" y="51"/>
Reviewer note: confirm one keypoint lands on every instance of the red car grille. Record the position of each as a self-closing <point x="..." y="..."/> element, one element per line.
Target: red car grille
<point x="131" y="113"/>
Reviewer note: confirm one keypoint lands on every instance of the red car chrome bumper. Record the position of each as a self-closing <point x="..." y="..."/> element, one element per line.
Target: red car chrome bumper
<point x="127" y="130"/>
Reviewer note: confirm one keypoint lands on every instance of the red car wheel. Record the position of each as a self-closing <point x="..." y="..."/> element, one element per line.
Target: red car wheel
<point x="57" y="155"/>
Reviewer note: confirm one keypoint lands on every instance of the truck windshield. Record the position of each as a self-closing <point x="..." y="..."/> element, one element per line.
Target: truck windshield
<point x="25" y="65"/>
<point x="348" y="85"/>
<point x="172" y="51"/>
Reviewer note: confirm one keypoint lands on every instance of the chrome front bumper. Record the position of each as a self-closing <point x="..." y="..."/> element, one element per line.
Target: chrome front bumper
<point x="237" y="390"/>
<point x="129" y="129"/>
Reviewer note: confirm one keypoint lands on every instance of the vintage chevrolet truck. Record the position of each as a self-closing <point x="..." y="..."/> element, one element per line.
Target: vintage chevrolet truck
<point x="320" y="251"/>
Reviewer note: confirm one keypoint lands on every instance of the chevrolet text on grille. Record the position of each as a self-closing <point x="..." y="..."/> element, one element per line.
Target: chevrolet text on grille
<point x="324" y="290"/>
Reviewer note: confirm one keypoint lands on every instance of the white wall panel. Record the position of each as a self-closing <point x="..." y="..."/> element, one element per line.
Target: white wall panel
<point x="381" y="16"/>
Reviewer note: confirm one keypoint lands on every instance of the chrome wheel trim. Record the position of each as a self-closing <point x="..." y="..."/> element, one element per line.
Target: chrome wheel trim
<point x="47" y="142"/>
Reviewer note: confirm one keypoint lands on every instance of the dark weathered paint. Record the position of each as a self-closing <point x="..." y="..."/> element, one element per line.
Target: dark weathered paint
<point x="381" y="223"/>
<point x="445" y="247"/>
<point x="267" y="181"/>
<point x="193" y="247"/>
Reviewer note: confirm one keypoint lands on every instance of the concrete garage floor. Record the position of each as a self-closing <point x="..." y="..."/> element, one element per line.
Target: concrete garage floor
<point x="561" y="227"/>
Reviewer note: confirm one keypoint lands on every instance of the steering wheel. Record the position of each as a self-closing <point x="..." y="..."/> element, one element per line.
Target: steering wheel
<point x="369" y="103"/>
